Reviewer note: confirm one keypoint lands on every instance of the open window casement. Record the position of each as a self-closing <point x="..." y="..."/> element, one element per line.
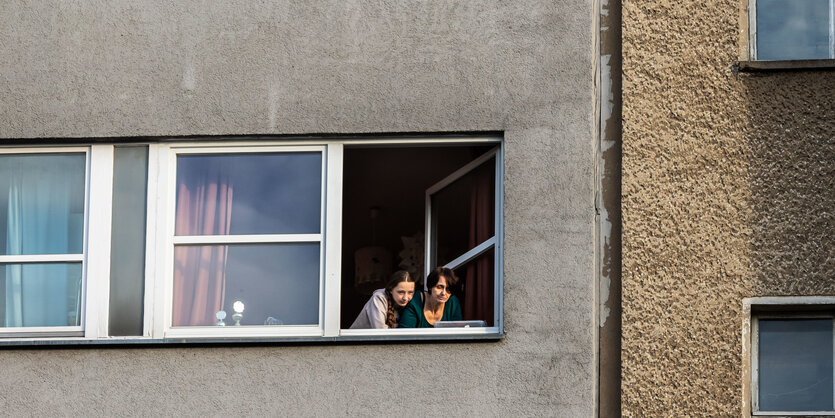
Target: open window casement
<point x="468" y="248"/>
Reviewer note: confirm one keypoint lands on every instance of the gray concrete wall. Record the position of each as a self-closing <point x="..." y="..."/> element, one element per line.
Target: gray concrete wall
<point x="114" y="69"/>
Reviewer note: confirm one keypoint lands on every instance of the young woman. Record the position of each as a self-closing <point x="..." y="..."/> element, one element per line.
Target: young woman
<point x="384" y="307"/>
<point x="437" y="304"/>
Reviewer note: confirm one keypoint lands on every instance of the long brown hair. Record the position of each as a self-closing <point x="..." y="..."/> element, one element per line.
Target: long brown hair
<point x="396" y="278"/>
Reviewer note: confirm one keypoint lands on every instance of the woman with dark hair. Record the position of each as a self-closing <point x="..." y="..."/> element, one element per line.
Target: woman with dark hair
<point x="436" y="304"/>
<point x="385" y="305"/>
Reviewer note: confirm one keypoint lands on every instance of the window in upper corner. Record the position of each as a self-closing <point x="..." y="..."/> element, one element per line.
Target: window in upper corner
<point x="42" y="216"/>
<point x="794" y="364"/>
<point x="793" y="29"/>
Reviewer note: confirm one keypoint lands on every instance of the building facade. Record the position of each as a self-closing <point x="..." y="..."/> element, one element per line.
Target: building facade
<point x="129" y="92"/>
<point x="727" y="199"/>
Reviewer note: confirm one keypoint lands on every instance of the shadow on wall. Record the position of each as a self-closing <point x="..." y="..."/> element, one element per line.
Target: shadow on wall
<point x="792" y="174"/>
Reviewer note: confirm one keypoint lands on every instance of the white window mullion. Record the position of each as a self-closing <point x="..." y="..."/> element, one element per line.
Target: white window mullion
<point x="333" y="242"/>
<point x="164" y="256"/>
<point x="151" y="245"/>
<point x="41" y="258"/>
<point x="98" y="241"/>
<point x="245" y="239"/>
<point x="470" y="255"/>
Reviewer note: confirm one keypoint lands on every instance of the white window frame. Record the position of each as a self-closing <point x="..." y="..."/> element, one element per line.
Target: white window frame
<point x="752" y="29"/>
<point x="160" y="240"/>
<point x="793" y="307"/>
<point x="95" y="256"/>
<point x="169" y="240"/>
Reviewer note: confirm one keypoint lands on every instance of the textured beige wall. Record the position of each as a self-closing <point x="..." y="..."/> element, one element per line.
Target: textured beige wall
<point x="94" y="68"/>
<point x="728" y="192"/>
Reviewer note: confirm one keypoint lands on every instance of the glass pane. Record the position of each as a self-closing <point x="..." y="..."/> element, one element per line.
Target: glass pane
<point x="42" y="203"/>
<point x="40" y="295"/>
<point x="795" y="370"/>
<point x="278" y="284"/>
<point x="276" y="193"/>
<point x="463" y="213"/>
<point x="475" y="288"/>
<point x="792" y="29"/>
<point x="127" y="253"/>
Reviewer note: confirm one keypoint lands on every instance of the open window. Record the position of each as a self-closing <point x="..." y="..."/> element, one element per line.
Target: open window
<point x="462" y="224"/>
<point x="416" y="207"/>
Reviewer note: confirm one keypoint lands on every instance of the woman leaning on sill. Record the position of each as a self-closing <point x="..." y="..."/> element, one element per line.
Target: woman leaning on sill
<point x="437" y="304"/>
<point x="383" y="308"/>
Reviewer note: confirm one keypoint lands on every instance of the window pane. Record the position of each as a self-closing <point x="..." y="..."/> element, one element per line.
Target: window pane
<point x="795" y="370"/>
<point x="277" y="283"/>
<point x="276" y="193"/>
<point x="463" y="213"/>
<point x="41" y="203"/>
<point x="792" y="29"/>
<point x="475" y="288"/>
<point x="127" y="252"/>
<point x="40" y="295"/>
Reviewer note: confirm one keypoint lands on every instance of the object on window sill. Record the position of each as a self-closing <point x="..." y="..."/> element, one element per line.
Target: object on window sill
<point x="238" y="307"/>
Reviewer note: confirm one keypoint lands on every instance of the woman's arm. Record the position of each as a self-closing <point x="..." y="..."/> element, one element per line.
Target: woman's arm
<point x="409" y="317"/>
<point x="378" y="310"/>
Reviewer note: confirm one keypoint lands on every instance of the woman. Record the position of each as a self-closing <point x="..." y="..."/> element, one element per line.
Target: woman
<point x="437" y="304"/>
<point x="383" y="309"/>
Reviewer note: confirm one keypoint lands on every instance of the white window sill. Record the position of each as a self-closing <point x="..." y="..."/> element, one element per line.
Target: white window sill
<point x="398" y="337"/>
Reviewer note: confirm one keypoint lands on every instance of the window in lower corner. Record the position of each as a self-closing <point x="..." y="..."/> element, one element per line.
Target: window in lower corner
<point x="794" y="366"/>
<point x="408" y="211"/>
<point x="42" y="204"/>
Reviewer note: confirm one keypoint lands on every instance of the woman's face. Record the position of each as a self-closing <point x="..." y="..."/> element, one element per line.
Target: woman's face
<point x="403" y="293"/>
<point x="440" y="292"/>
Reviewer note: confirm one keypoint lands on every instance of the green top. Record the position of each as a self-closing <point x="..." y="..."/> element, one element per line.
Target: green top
<point x="412" y="316"/>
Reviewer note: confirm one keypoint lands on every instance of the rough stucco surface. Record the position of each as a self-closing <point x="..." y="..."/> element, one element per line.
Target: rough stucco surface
<point x="84" y="69"/>
<point x="727" y="193"/>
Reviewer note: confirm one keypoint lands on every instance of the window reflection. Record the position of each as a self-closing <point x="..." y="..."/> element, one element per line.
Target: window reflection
<point x="276" y="283"/>
<point x="40" y="295"/>
<point x="792" y="29"/>
<point x="249" y="194"/>
<point x="795" y="365"/>
<point x="41" y="203"/>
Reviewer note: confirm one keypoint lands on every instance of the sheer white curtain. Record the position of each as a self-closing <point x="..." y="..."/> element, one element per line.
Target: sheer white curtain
<point x="38" y="217"/>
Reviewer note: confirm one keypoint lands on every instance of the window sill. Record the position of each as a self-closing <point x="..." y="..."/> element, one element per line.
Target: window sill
<point x="785" y="65"/>
<point x="172" y="342"/>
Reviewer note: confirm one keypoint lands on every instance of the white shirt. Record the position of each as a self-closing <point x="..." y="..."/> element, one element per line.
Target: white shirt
<point x="373" y="314"/>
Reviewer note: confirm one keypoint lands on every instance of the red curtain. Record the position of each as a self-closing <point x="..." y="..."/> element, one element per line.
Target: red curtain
<point x="203" y="208"/>
<point x="478" y="281"/>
